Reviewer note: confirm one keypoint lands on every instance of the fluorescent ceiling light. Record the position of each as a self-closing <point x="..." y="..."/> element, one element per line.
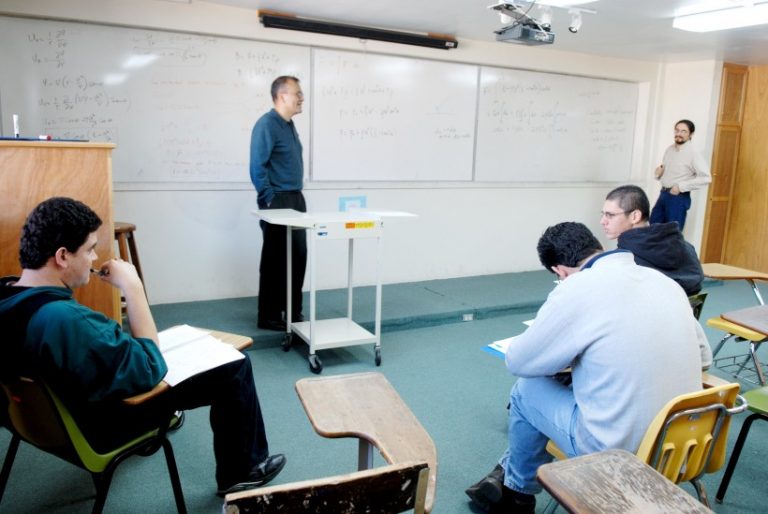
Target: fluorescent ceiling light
<point x="564" y="3"/>
<point x="723" y="18"/>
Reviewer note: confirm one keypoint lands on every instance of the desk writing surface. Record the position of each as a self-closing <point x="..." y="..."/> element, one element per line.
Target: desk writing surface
<point x="614" y="481"/>
<point x="366" y="406"/>
<point x="728" y="272"/>
<point x="293" y="218"/>
<point x="754" y="318"/>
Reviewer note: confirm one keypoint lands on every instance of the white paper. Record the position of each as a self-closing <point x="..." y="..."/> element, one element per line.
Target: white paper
<point x="189" y="351"/>
<point x="501" y="345"/>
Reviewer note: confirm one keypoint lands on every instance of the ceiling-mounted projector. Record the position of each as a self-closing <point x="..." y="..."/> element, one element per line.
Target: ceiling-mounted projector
<point x="524" y="29"/>
<point x="525" y="34"/>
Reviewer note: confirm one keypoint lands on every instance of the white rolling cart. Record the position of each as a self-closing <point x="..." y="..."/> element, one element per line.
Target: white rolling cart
<point x="336" y="332"/>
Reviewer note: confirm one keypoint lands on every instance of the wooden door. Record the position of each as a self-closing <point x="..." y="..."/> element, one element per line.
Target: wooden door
<point x="746" y="241"/>
<point x="725" y="160"/>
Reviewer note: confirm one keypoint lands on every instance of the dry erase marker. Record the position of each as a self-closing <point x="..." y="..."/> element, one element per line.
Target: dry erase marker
<point x="45" y="137"/>
<point x="16" y="125"/>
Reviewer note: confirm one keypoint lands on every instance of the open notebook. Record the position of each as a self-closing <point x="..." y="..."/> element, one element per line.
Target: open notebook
<point x="189" y="351"/>
<point x="499" y="348"/>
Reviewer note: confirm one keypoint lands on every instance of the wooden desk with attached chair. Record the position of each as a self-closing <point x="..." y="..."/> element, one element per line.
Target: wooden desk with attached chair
<point x="738" y="365"/>
<point x="689" y="435"/>
<point x="365" y="406"/>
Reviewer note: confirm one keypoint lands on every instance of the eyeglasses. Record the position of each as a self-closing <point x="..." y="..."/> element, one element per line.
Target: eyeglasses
<point x="611" y="215"/>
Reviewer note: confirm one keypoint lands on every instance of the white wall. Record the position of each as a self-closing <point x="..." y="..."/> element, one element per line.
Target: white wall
<point x="689" y="90"/>
<point x="205" y="244"/>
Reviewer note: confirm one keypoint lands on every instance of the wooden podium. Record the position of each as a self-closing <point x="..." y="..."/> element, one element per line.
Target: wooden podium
<point x="30" y="172"/>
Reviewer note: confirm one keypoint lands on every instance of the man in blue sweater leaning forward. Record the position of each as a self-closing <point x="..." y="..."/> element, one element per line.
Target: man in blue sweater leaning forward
<point x="93" y="365"/>
<point x="277" y="172"/>
<point x="629" y="336"/>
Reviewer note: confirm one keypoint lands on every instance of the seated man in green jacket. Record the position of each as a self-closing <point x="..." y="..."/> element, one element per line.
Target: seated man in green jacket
<point x="94" y="365"/>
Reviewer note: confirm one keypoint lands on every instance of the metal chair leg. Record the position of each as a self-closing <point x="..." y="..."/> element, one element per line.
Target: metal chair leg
<point x="102" y="482"/>
<point x="735" y="455"/>
<point x="701" y="492"/>
<point x="173" y="471"/>
<point x="10" y="456"/>
<point x="719" y="346"/>
<point x="758" y="367"/>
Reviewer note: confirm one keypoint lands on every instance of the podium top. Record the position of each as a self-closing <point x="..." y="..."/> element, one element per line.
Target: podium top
<point x="293" y="218"/>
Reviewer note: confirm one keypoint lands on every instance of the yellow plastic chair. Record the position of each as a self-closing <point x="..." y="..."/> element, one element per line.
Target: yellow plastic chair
<point x="738" y="365"/>
<point x="384" y="490"/>
<point x="689" y="435"/>
<point x="38" y="416"/>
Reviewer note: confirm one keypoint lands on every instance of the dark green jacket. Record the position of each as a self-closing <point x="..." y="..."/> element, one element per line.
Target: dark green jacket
<point x="85" y="356"/>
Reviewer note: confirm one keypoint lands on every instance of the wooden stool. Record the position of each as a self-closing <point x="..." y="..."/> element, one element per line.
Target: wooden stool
<point x="126" y="244"/>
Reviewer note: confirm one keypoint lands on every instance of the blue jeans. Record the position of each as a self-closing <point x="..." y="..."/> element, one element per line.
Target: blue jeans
<point x="671" y="207"/>
<point x="541" y="409"/>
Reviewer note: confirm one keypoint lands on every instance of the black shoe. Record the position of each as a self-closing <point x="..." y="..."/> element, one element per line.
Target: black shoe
<point x="488" y="492"/>
<point x="513" y="502"/>
<point x="177" y="421"/>
<point x="272" y="324"/>
<point x="259" y="476"/>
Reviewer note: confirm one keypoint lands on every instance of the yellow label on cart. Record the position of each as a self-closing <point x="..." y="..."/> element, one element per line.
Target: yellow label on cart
<point x="360" y="224"/>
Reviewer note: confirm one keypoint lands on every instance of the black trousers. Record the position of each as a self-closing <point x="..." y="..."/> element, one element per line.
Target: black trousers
<point x="239" y="437"/>
<point x="272" y="271"/>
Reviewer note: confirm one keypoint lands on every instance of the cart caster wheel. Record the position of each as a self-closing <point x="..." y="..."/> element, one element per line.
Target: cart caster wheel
<point x="378" y="356"/>
<point x="287" y="340"/>
<point x="315" y="365"/>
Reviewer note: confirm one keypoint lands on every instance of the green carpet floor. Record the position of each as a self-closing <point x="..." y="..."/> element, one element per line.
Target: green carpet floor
<point x="432" y="358"/>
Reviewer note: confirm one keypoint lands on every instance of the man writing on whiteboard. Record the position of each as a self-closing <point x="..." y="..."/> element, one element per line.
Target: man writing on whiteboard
<point x="682" y="170"/>
<point x="277" y="172"/>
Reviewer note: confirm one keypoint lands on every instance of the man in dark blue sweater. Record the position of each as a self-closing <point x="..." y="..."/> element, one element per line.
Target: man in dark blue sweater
<point x="660" y="246"/>
<point x="277" y="172"/>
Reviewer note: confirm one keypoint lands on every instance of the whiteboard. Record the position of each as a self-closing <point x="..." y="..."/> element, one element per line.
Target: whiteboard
<point x="546" y="127"/>
<point x="378" y="117"/>
<point x="180" y="107"/>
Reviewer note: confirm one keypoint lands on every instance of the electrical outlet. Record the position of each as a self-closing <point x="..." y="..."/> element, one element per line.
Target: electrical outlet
<point x="468" y="317"/>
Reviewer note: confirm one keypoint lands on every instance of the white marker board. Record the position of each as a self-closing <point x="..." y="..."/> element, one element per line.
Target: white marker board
<point x="378" y="118"/>
<point x="547" y="127"/>
<point x="180" y="107"/>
